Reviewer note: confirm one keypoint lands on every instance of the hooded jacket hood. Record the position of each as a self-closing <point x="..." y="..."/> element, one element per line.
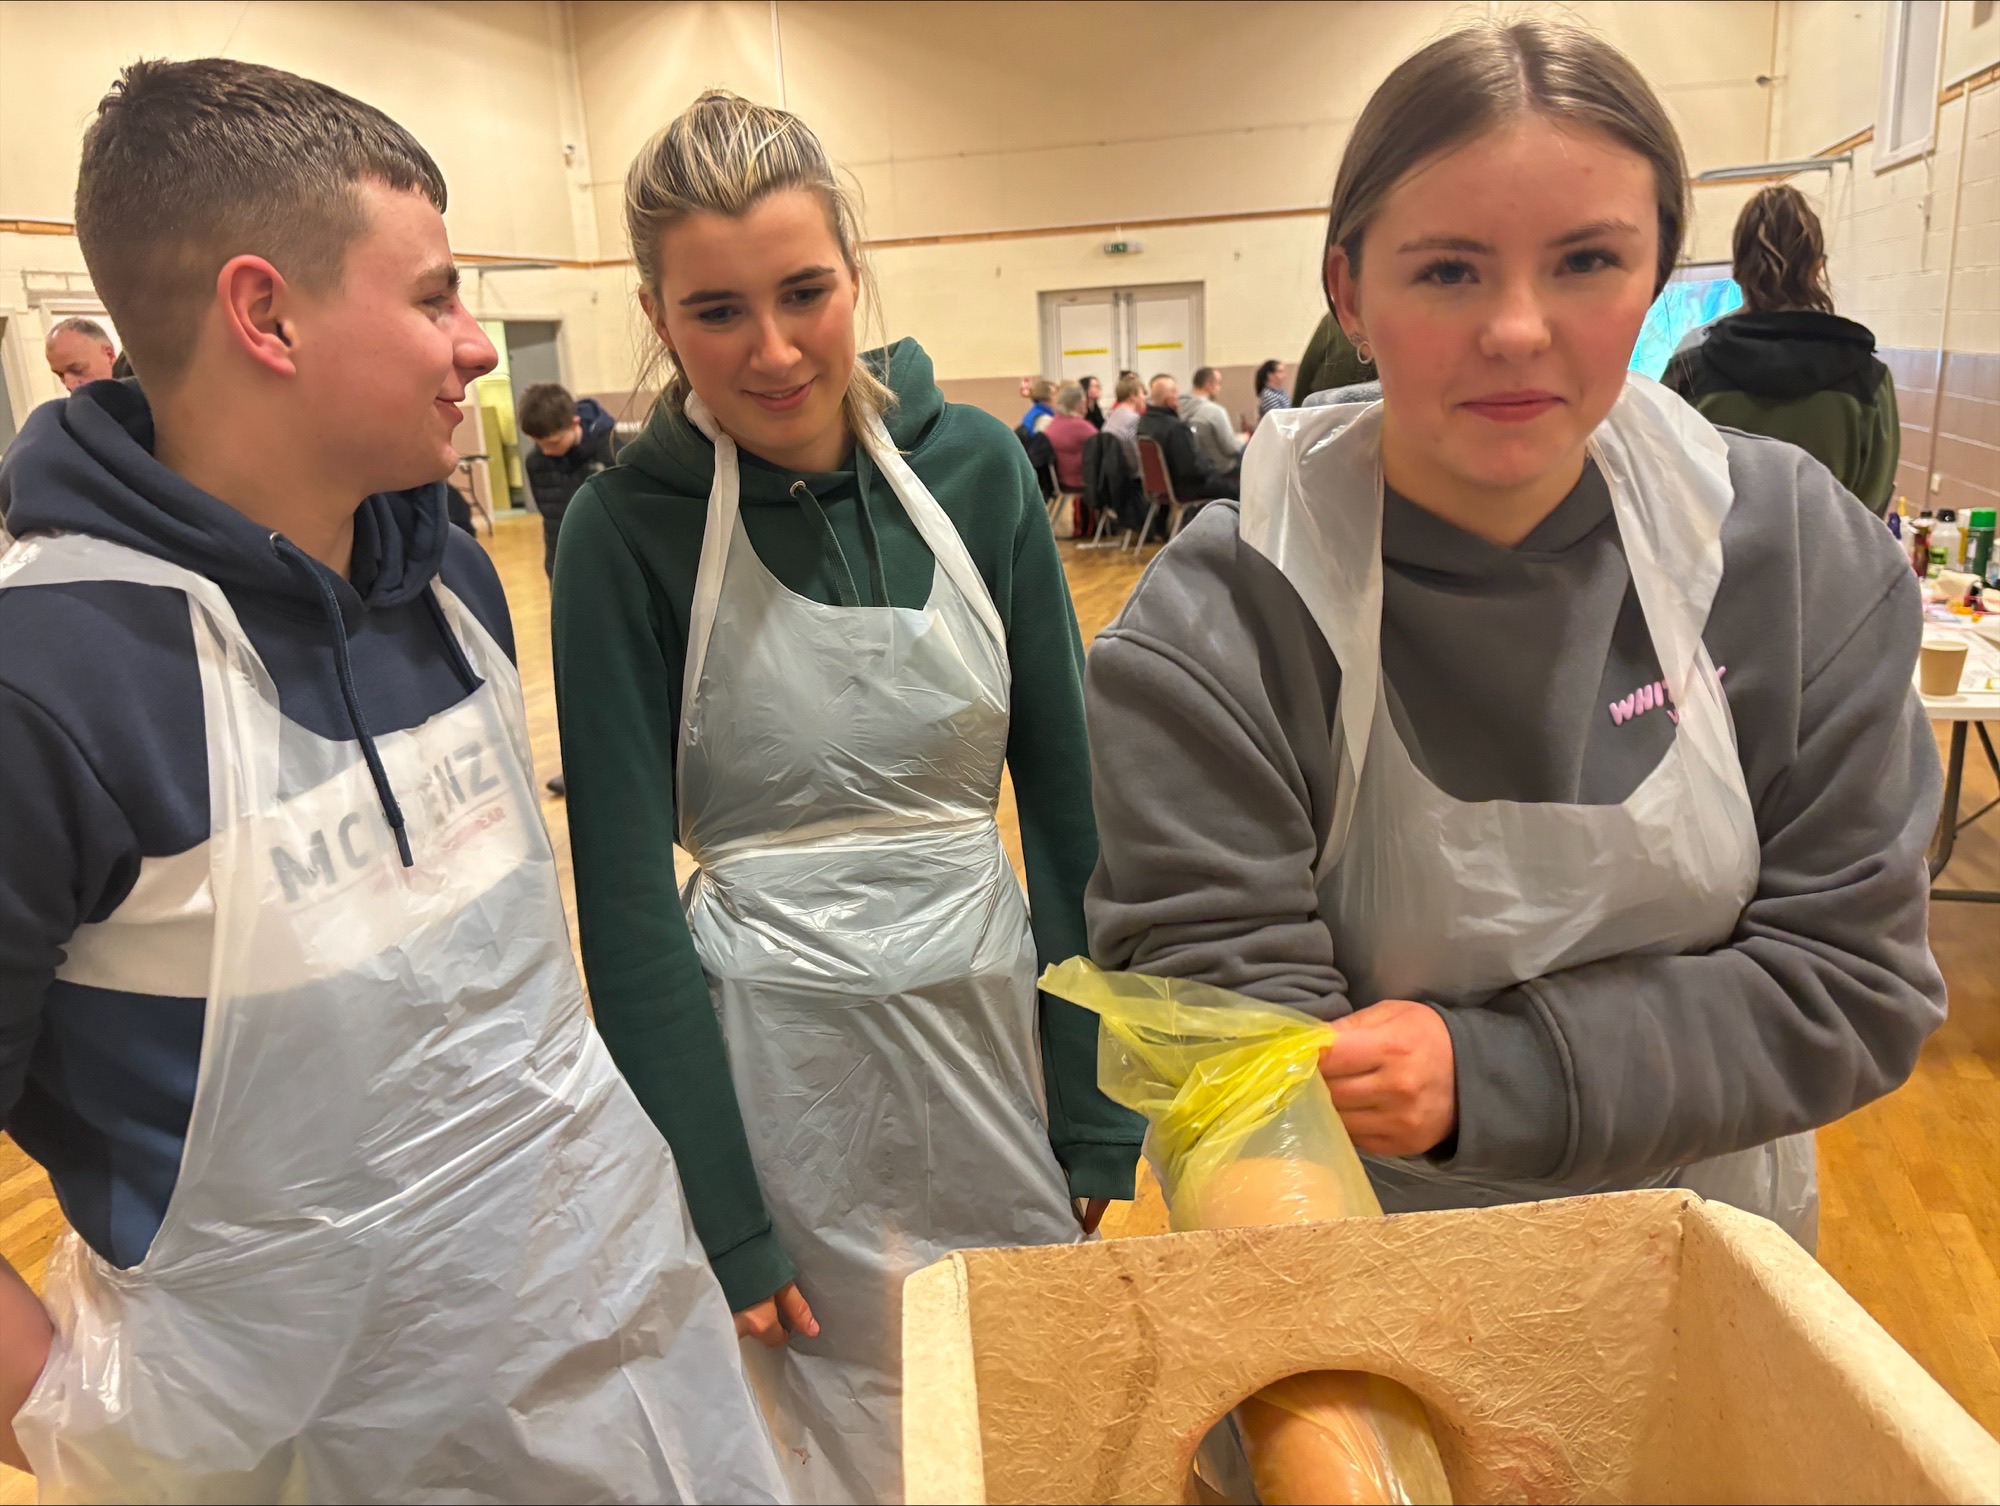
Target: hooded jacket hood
<point x="85" y="465"/>
<point x="673" y="452"/>
<point x="1792" y="354"/>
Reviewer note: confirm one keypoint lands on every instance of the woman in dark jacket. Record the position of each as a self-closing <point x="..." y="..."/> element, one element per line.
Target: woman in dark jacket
<point x="1789" y="367"/>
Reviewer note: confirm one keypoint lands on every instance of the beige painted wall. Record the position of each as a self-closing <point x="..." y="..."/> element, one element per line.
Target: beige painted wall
<point x="479" y="84"/>
<point x="490" y="89"/>
<point x="1914" y="250"/>
<point x="966" y="119"/>
<point x="984" y="119"/>
<point x="1897" y="264"/>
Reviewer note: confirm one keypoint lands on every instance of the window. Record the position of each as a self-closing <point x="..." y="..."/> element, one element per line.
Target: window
<point x="1912" y="41"/>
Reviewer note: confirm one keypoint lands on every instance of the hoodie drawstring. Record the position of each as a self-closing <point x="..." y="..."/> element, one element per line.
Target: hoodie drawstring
<point x="843" y="577"/>
<point x="286" y="550"/>
<point x="454" y="650"/>
<point x="870" y="544"/>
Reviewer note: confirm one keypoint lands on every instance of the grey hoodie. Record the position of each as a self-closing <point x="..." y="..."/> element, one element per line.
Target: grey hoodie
<point x="1524" y="675"/>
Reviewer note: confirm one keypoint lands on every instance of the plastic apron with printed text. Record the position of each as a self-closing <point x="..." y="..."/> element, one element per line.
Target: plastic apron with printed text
<point x="424" y="1244"/>
<point x="1438" y="899"/>
<point x="868" y="952"/>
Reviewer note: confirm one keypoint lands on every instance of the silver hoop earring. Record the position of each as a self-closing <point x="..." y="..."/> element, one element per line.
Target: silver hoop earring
<point x="1367" y="356"/>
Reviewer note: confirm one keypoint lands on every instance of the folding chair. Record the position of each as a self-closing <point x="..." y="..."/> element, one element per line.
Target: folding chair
<point x="1159" y="489"/>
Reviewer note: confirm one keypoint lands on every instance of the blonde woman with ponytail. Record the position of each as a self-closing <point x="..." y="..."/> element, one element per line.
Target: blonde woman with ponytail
<point x="799" y="629"/>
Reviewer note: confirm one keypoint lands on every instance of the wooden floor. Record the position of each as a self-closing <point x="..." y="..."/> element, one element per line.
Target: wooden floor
<point x="1911" y="1185"/>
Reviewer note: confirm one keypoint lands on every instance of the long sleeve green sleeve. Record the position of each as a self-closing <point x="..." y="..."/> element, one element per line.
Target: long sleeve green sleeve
<point x="1881" y="450"/>
<point x="1048" y="755"/>
<point x="617" y="694"/>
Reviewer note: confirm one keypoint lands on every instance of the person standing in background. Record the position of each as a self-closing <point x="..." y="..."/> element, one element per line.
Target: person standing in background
<point x="1215" y="437"/>
<point x="1093" y="390"/>
<point x="835" y="1023"/>
<point x="1271" y="389"/>
<point x="572" y="444"/>
<point x="79" y="351"/>
<point x="1787" y="365"/>
<point x="1330" y="361"/>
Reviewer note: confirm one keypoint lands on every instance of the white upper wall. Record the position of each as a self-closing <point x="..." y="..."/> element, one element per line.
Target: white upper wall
<point x="480" y="85"/>
<point x="1829" y="66"/>
<point x="982" y="120"/>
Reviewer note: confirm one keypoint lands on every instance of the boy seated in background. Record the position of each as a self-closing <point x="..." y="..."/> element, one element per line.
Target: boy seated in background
<point x="572" y="443"/>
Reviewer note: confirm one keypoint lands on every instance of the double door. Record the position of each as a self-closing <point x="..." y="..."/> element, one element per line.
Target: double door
<point x="1155" y="331"/>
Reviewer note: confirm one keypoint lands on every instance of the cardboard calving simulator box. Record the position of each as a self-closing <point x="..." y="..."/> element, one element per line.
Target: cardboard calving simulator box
<point x="1642" y="1346"/>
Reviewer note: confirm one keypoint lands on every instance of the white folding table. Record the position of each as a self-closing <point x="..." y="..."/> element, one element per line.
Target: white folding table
<point x="1970" y="711"/>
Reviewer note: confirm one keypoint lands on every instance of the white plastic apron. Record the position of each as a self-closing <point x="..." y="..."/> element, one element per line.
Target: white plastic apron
<point x="1439" y="899"/>
<point x="424" y="1244"/>
<point x="868" y="951"/>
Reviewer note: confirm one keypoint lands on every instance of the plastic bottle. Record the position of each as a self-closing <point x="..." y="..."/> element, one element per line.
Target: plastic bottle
<point x="1979" y="542"/>
<point x="1920" y="544"/>
<point x="1945" y="540"/>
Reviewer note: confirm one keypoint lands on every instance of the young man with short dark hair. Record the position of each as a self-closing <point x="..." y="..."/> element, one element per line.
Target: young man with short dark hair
<point x="572" y="443"/>
<point x="363" y="1210"/>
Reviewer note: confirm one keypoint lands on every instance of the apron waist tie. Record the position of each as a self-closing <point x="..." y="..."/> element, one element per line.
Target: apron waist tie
<point x="843" y="835"/>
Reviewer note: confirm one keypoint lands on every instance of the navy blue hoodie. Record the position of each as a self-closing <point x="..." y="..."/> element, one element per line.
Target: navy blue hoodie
<point x="104" y="765"/>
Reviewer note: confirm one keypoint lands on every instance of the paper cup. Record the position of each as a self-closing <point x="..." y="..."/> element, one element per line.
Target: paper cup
<point x="1940" y="666"/>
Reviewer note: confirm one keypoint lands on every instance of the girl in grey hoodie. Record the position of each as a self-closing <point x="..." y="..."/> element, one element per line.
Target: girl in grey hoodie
<point x="1560" y="744"/>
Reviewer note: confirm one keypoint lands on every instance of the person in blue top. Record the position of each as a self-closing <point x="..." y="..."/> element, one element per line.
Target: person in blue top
<point x="1041" y="400"/>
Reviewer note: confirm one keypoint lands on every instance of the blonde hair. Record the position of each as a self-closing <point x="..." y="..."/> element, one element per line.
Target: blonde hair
<point x="722" y="155"/>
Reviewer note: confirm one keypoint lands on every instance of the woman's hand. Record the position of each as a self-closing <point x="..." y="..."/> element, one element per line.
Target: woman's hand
<point x="1393" y="1078"/>
<point x="776" y="1318"/>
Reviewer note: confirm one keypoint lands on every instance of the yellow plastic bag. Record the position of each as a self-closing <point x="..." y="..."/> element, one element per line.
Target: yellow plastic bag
<point x="1241" y="1133"/>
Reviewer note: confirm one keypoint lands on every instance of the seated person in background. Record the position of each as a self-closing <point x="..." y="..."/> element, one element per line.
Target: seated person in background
<point x="1215" y="438"/>
<point x="1123" y="419"/>
<point x="1093" y="391"/>
<point x="1066" y="433"/>
<point x="1787" y="366"/>
<point x="572" y="443"/>
<point x="1040" y="392"/>
<point x="79" y="352"/>
<point x="1161" y="422"/>
<point x="1271" y="389"/>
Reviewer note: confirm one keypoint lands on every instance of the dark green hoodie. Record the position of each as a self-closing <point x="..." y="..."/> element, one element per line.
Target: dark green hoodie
<point x="625" y="575"/>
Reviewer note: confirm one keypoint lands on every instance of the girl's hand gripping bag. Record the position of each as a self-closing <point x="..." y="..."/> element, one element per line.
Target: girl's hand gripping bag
<point x="1241" y="1134"/>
